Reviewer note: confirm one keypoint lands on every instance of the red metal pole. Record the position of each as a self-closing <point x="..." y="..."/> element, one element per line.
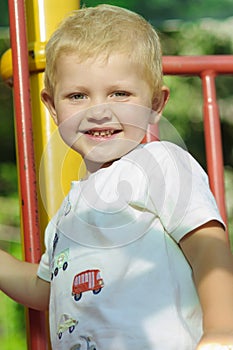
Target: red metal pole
<point x="207" y="67"/>
<point x="195" y="65"/>
<point x="24" y="138"/>
<point x="213" y="140"/>
<point x="152" y="133"/>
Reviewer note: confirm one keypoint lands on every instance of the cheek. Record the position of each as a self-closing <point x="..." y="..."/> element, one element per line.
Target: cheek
<point x="135" y="118"/>
<point x="68" y="128"/>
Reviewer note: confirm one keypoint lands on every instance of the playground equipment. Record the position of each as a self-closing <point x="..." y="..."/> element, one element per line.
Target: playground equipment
<point x="22" y="67"/>
<point x="31" y="24"/>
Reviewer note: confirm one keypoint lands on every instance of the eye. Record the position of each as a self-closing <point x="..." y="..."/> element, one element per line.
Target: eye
<point x="120" y="95"/>
<point x="78" y="96"/>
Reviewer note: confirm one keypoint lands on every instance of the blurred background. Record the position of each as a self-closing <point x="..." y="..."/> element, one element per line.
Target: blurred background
<point x="186" y="27"/>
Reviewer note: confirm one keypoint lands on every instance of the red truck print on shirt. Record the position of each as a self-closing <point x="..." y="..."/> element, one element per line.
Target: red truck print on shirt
<point x="85" y="281"/>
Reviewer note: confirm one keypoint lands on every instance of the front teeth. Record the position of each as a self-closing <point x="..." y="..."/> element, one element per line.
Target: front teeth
<point x="103" y="133"/>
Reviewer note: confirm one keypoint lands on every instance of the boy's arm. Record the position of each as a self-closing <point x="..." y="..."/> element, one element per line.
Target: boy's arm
<point x="19" y="280"/>
<point x="208" y="253"/>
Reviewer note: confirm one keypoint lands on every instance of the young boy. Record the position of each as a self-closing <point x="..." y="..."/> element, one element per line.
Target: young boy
<point x="136" y="257"/>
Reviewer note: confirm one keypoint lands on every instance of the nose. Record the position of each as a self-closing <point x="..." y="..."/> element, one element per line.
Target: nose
<point x="99" y="113"/>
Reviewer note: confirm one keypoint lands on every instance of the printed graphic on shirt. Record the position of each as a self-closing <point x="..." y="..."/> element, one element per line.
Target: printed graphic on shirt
<point x="55" y="241"/>
<point x="67" y="208"/>
<point x="85" y="344"/>
<point x="66" y="323"/>
<point x="86" y="281"/>
<point x="60" y="261"/>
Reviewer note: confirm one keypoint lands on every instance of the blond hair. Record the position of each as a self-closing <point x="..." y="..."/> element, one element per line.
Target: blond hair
<point x="102" y="30"/>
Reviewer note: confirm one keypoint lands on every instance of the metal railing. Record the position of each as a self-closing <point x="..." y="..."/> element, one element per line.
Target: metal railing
<point x="207" y="68"/>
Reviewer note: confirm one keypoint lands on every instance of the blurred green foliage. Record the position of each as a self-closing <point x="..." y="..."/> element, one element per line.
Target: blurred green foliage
<point x="7" y="139"/>
<point x="8" y="179"/>
<point x="9" y="213"/>
<point x="159" y="10"/>
<point x="12" y="319"/>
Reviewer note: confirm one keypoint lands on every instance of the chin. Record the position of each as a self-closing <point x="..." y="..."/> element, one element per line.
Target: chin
<point x="110" y="151"/>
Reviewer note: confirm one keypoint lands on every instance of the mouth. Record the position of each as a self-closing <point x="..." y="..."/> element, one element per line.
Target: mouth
<point x="102" y="133"/>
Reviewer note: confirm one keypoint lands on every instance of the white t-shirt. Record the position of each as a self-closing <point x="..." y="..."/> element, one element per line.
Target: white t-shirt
<point x="119" y="280"/>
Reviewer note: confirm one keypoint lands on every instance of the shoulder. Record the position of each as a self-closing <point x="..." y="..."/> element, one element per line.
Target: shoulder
<point x="165" y="149"/>
<point x="160" y="150"/>
<point x="164" y="155"/>
<point x="174" y="157"/>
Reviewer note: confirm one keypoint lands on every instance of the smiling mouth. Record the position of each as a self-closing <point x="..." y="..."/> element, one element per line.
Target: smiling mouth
<point x="102" y="133"/>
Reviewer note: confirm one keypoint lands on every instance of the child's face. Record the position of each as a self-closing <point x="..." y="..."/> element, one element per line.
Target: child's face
<point x="102" y="107"/>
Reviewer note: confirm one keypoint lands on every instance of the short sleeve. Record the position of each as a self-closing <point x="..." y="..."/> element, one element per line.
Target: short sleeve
<point x="44" y="265"/>
<point x="179" y="190"/>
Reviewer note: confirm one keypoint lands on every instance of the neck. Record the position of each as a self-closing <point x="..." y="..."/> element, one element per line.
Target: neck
<point x="92" y="167"/>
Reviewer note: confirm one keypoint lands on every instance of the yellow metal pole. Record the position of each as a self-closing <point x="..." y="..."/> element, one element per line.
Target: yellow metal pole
<point x="56" y="165"/>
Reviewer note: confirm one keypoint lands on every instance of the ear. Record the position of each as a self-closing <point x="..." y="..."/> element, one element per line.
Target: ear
<point x="48" y="101"/>
<point x="158" y="106"/>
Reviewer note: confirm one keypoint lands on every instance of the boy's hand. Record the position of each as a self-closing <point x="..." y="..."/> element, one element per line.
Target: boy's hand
<point x="216" y="341"/>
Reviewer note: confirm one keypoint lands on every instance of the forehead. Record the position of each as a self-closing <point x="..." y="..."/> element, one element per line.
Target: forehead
<point x="101" y="59"/>
<point x="100" y="74"/>
<point x="118" y="64"/>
